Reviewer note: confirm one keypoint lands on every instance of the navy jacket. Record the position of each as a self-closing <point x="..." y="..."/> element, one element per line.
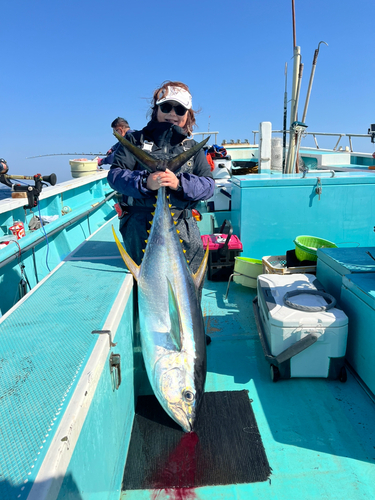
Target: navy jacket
<point x="128" y="177"/>
<point x="108" y="160"/>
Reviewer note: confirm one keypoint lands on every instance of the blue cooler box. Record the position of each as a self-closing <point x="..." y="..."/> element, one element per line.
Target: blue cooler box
<point x="334" y="263"/>
<point x="358" y="301"/>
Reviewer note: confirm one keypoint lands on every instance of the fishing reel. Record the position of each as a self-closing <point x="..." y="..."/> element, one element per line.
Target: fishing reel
<point x="32" y="192"/>
<point x="371" y="131"/>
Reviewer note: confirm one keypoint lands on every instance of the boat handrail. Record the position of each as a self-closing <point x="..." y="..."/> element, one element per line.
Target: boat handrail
<point x="206" y="134"/>
<point x="306" y="172"/>
<point x="314" y="134"/>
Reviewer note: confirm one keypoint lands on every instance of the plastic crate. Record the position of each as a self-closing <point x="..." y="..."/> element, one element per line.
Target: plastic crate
<point x="276" y="264"/>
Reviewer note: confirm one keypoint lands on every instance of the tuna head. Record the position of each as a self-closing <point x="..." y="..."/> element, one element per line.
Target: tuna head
<point x="178" y="372"/>
<point x="180" y="390"/>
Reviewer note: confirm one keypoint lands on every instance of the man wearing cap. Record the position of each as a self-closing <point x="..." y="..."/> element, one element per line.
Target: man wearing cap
<point x="121" y="126"/>
<point x="172" y="121"/>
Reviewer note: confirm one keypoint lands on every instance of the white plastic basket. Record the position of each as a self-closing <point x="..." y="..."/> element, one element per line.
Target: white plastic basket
<point x="276" y="264"/>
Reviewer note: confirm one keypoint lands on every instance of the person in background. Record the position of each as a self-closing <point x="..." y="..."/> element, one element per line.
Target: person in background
<point x="121" y="126"/>
<point x="3" y="166"/>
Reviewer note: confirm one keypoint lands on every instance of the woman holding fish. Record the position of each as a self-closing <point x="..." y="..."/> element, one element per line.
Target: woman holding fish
<point x="162" y="175"/>
<point x="165" y="136"/>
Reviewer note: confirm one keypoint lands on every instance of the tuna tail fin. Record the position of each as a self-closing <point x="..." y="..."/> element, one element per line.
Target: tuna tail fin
<point x="198" y="277"/>
<point x="131" y="265"/>
<point x="152" y="164"/>
<point x="175" y="163"/>
<point x="175" y="318"/>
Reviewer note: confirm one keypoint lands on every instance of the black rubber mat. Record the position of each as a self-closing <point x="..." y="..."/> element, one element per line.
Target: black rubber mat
<point x="225" y="449"/>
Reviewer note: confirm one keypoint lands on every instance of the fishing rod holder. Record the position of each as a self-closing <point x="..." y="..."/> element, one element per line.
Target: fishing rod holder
<point x="32" y="192"/>
<point x="297" y="129"/>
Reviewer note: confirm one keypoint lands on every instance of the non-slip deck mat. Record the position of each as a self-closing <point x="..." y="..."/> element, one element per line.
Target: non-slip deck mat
<point x="225" y="449"/>
<point x="44" y="344"/>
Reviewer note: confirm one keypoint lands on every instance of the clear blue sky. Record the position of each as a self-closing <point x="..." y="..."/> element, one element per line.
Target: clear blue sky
<point x="70" y="67"/>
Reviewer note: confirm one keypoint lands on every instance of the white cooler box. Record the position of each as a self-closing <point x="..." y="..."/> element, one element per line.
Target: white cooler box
<point x="301" y="339"/>
<point x="221" y="200"/>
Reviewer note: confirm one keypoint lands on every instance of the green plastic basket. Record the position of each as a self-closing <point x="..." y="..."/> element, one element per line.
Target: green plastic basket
<point x="306" y="247"/>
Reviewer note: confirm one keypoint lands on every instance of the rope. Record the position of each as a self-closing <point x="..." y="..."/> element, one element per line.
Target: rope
<point x="331" y="301"/>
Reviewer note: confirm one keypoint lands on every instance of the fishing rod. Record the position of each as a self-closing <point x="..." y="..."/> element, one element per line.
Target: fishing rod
<point x="316" y="53"/>
<point x="296" y="85"/>
<point x="67" y="154"/>
<point x="32" y="192"/>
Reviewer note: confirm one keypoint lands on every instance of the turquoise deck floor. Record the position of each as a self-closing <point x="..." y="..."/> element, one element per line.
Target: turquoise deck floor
<point x="38" y="373"/>
<point x="319" y="435"/>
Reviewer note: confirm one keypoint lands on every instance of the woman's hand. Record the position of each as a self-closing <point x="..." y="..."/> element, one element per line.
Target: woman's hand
<point x="162" y="179"/>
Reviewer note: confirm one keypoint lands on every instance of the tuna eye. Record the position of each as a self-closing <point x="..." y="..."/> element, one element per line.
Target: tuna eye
<point x="188" y="396"/>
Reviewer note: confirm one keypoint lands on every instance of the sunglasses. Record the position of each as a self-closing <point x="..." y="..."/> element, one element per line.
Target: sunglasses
<point x="167" y="107"/>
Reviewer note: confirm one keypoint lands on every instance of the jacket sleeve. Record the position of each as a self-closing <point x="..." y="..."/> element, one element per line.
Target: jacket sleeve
<point x="124" y="178"/>
<point x="198" y="185"/>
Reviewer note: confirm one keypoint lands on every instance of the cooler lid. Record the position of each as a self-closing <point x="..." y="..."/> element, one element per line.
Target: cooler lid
<point x="271" y="291"/>
<point x="348" y="260"/>
<point x="363" y="286"/>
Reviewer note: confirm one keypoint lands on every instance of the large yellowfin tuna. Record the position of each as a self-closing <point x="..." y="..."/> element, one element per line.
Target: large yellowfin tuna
<point x="172" y="328"/>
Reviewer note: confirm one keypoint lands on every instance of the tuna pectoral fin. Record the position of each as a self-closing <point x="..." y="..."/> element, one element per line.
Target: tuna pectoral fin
<point x="132" y="266"/>
<point x="198" y="277"/>
<point x="175" y="318"/>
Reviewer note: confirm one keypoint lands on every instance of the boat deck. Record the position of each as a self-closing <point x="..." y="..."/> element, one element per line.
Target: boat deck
<point x="318" y="434"/>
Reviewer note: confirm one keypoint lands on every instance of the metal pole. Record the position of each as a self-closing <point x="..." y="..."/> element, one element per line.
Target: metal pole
<point x="293" y="107"/>
<point x="294" y="24"/>
<point x="285" y="116"/>
<point x="296" y="70"/>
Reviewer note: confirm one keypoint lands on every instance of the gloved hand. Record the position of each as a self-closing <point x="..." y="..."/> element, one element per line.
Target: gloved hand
<point x="100" y="161"/>
<point x="3" y="166"/>
<point x="109" y="152"/>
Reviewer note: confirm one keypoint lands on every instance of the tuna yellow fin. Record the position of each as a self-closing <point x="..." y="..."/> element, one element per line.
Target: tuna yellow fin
<point x="198" y="277"/>
<point x="131" y="265"/>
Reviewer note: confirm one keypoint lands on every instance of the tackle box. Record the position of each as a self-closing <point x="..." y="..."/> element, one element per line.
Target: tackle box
<point x="300" y="339"/>
<point x="224" y="247"/>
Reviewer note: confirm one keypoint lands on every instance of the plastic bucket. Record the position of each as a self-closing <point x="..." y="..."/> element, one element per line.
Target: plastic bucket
<point x="80" y="168"/>
<point x="249" y="270"/>
<point x="306" y="247"/>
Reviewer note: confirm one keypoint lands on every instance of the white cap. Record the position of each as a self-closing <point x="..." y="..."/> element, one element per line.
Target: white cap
<point x="177" y="94"/>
